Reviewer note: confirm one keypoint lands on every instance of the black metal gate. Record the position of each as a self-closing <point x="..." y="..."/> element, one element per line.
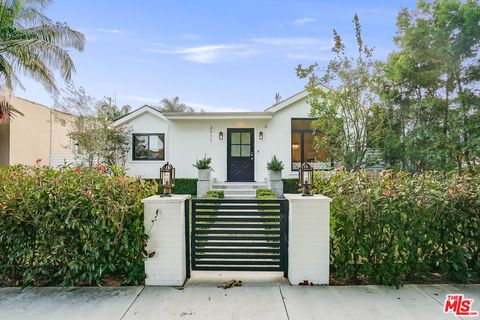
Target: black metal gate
<point x="237" y="235"/>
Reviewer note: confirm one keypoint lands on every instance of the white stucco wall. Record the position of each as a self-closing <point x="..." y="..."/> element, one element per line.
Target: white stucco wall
<point x="147" y="123"/>
<point x="188" y="140"/>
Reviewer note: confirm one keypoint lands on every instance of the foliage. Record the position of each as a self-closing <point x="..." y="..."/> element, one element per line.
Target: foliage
<point x="291" y="185"/>
<point x="396" y="227"/>
<point x="111" y="111"/>
<point x="265" y="194"/>
<point x="33" y="45"/>
<point x="214" y="194"/>
<point x="99" y="141"/>
<point x="94" y="135"/>
<point x="431" y="88"/>
<point x="182" y="186"/>
<point x="275" y="164"/>
<point x="345" y="104"/>
<point x="70" y="227"/>
<point x="204" y="163"/>
<point x="174" y="105"/>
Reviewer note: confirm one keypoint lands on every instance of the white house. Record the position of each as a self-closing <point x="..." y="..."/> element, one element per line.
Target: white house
<point x="239" y="143"/>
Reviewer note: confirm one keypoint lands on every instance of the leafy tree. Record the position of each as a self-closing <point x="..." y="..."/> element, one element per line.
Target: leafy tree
<point x="174" y="105"/>
<point x="432" y="88"/>
<point x="346" y="102"/>
<point x="97" y="140"/>
<point x="33" y="45"/>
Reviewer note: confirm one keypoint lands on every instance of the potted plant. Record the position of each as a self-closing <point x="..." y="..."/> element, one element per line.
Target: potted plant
<point x="204" y="168"/>
<point x="275" y="167"/>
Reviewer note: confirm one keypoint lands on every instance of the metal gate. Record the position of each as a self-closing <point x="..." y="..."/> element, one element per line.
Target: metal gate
<point x="237" y="235"/>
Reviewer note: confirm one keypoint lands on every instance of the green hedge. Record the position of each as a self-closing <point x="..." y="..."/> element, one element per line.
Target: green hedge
<point x="291" y="185"/>
<point x="265" y="194"/>
<point x="182" y="186"/>
<point x="393" y="228"/>
<point x="214" y="194"/>
<point x="70" y="227"/>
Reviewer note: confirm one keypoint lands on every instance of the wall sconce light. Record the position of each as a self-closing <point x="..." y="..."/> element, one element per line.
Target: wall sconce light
<point x="220" y="135"/>
<point x="260" y="135"/>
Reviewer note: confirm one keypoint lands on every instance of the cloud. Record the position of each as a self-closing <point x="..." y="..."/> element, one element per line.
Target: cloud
<point x="115" y="31"/>
<point x="289" y="47"/>
<point x="304" y="21"/>
<point x="190" y="36"/>
<point x="206" y="53"/>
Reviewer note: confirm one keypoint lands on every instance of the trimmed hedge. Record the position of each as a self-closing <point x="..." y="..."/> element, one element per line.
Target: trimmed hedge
<point x="214" y="194"/>
<point x="182" y="186"/>
<point x="265" y="194"/>
<point x="70" y="226"/>
<point x="291" y="185"/>
<point x="392" y="228"/>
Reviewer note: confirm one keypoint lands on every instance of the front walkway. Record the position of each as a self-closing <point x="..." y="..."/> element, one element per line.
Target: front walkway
<point x="254" y="300"/>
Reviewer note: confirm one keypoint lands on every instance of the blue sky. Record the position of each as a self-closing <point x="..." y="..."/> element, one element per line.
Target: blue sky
<point x="216" y="55"/>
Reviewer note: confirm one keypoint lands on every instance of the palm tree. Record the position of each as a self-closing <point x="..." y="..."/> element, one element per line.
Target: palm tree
<point x="112" y="111"/>
<point x="33" y="45"/>
<point x="174" y="105"/>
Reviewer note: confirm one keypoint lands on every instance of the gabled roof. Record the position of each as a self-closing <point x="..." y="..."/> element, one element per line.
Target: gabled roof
<point x="217" y="115"/>
<point x="136" y="113"/>
<point x="292" y="99"/>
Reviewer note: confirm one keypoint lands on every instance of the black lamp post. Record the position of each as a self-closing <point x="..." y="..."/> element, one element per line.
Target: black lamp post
<point x="305" y="175"/>
<point x="167" y="179"/>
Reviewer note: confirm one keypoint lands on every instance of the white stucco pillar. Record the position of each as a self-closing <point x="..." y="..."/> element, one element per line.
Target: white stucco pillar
<point x="164" y="221"/>
<point x="308" y="239"/>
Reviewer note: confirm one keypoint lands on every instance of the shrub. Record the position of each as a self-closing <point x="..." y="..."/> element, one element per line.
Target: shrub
<point x="214" y="194"/>
<point x="204" y="163"/>
<point x="391" y="228"/>
<point x="265" y="194"/>
<point x="70" y="226"/>
<point x="291" y="185"/>
<point x="275" y="164"/>
<point x="182" y="186"/>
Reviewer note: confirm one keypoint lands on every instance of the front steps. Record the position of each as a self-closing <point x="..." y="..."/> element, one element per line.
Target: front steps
<point x="239" y="189"/>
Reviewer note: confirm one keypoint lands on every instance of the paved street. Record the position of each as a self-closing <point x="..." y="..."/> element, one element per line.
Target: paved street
<point x="254" y="300"/>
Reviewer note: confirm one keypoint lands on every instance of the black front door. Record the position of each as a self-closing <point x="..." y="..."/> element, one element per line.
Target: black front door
<point x="240" y="155"/>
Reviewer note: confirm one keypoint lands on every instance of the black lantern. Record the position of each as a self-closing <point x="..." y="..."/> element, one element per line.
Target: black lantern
<point x="167" y="179"/>
<point x="305" y="175"/>
<point x="260" y="135"/>
<point x="220" y="135"/>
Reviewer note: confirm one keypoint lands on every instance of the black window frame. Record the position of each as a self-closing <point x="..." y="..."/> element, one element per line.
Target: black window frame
<point x="162" y="137"/>
<point x="302" y="144"/>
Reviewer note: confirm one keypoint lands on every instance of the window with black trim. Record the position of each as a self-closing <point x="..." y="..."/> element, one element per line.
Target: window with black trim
<point x="149" y="146"/>
<point x="303" y="142"/>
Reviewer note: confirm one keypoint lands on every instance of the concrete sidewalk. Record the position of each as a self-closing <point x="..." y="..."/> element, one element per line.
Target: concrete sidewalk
<point x="255" y="300"/>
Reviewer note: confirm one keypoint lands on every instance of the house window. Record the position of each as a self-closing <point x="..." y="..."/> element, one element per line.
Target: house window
<point x="149" y="146"/>
<point x="303" y="140"/>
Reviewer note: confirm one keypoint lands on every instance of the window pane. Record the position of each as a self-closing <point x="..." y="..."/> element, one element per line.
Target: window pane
<point x="156" y="146"/>
<point x="302" y="124"/>
<point x="245" y="137"/>
<point x="141" y="147"/>
<point x="235" y="152"/>
<point x="245" y="150"/>
<point x="314" y="157"/>
<point x="235" y="138"/>
<point x="296" y="156"/>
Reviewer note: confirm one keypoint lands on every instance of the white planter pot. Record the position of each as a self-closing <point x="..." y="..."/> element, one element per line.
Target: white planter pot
<point x="275" y="175"/>
<point x="204" y="174"/>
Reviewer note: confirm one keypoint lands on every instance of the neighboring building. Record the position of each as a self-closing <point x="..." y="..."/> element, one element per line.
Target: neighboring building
<point x="41" y="133"/>
<point x="239" y="143"/>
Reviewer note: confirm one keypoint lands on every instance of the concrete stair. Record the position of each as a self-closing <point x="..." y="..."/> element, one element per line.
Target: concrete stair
<point x="239" y="189"/>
